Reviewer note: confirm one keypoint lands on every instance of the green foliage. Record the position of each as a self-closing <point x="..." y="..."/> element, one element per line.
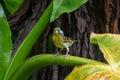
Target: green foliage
<point x="109" y="45"/>
<point x="29" y="41"/>
<point x="13" y="5"/>
<point x="5" y="43"/>
<point x="18" y="66"/>
<point x="65" y="6"/>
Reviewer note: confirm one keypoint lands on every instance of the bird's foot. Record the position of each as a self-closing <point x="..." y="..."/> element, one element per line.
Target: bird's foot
<point x="67" y="55"/>
<point x="55" y="55"/>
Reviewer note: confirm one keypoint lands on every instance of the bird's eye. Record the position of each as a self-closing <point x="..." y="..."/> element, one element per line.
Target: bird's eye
<point x="61" y="32"/>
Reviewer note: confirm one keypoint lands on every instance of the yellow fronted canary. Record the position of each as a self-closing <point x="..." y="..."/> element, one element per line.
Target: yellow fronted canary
<point x="60" y="41"/>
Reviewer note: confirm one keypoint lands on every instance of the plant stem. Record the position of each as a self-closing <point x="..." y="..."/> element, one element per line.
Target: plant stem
<point x="35" y="62"/>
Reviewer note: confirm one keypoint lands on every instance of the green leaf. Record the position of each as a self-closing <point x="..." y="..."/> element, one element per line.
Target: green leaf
<point x="13" y="5"/>
<point x="5" y="43"/>
<point x="38" y="61"/>
<point x="62" y="6"/>
<point x="109" y="44"/>
<point x="93" y="72"/>
<point x="29" y="41"/>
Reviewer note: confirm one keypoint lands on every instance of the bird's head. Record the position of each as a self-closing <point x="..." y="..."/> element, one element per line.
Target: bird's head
<point x="57" y="30"/>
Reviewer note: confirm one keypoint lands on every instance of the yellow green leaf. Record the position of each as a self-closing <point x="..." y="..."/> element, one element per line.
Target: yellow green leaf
<point x="109" y="44"/>
<point x="93" y="72"/>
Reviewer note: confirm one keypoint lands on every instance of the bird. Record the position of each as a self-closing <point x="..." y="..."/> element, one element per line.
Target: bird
<point x="61" y="41"/>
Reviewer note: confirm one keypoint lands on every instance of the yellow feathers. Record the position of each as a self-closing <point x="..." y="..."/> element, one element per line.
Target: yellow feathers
<point x="60" y="41"/>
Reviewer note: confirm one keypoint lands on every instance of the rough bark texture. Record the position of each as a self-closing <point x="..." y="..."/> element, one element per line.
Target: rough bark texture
<point x="99" y="16"/>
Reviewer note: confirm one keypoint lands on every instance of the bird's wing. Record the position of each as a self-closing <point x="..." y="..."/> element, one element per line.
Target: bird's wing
<point x="66" y="39"/>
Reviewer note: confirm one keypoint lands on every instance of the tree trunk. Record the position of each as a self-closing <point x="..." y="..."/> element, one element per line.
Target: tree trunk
<point x="97" y="16"/>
